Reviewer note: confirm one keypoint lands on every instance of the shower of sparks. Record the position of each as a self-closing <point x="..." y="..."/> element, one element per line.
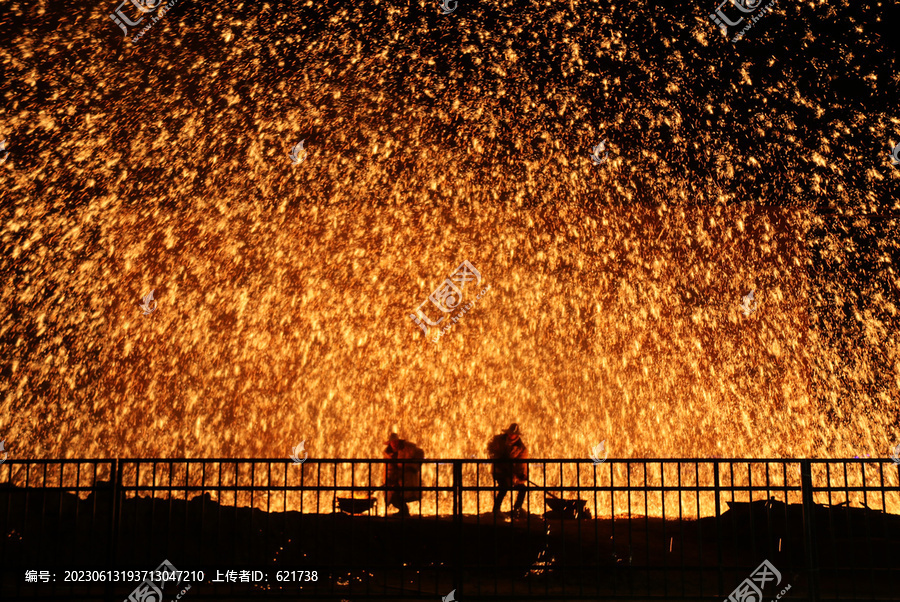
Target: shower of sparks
<point x="286" y="292"/>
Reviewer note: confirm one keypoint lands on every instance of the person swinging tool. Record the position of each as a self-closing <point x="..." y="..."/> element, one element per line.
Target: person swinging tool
<point x="402" y="479"/>
<point x="506" y="448"/>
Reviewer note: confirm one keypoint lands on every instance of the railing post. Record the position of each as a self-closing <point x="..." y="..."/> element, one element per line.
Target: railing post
<point x="458" y="526"/>
<point x="718" y="494"/>
<point x="114" y="477"/>
<point x="809" y="530"/>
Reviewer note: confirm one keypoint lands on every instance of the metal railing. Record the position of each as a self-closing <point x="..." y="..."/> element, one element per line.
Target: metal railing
<point x="621" y="529"/>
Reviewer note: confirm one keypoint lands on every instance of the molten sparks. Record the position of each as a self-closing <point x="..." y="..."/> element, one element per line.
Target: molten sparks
<point x="283" y="291"/>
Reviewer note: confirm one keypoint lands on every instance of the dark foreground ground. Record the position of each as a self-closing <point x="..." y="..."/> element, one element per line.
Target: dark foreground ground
<point x="354" y="557"/>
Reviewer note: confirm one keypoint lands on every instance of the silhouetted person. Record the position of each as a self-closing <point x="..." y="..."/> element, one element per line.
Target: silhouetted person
<point x="508" y="474"/>
<point x="404" y="479"/>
